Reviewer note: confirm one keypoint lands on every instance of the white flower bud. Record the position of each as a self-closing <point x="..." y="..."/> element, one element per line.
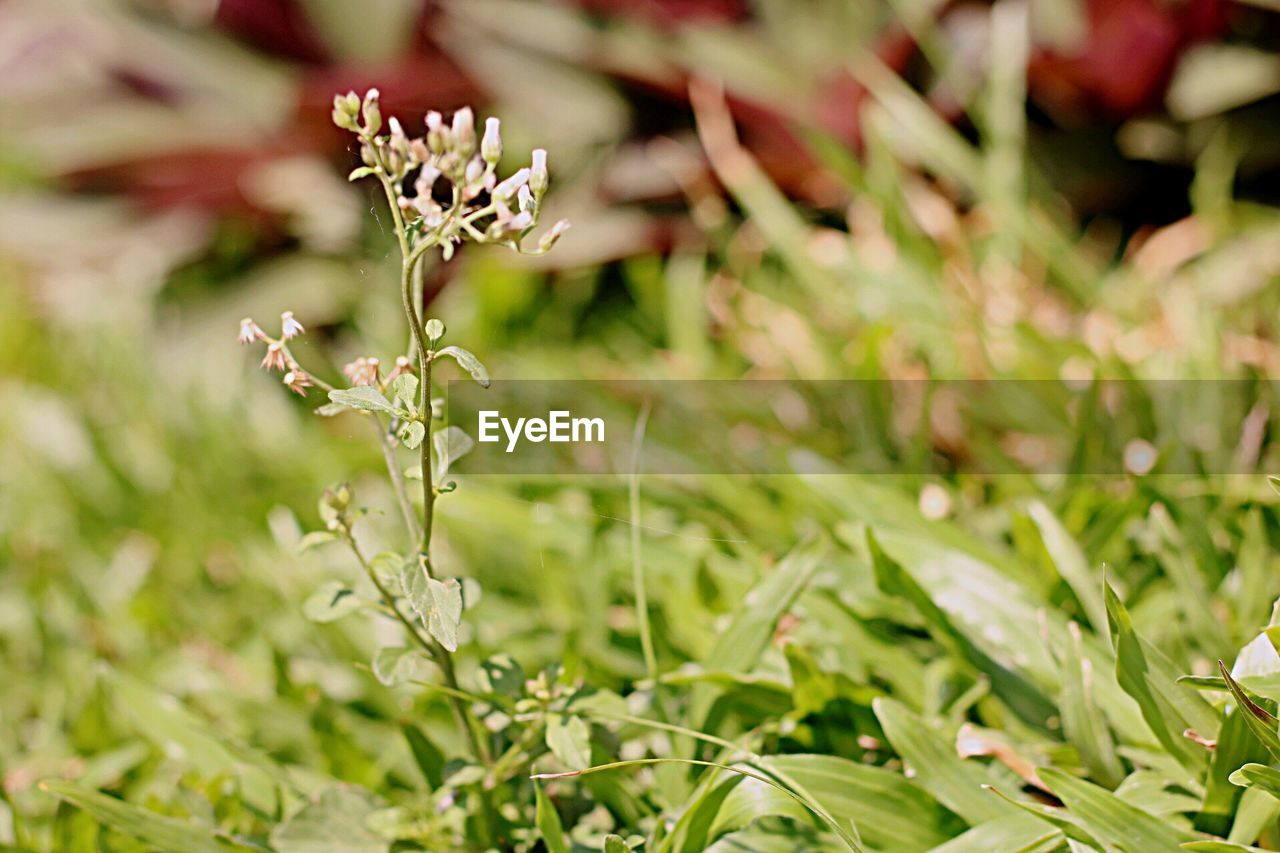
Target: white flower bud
<point x="519" y="222"/>
<point x="435" y="132"/>
<point x="475" y="170"/>
<point x="372" y="115"/>
<point x="508" y="188"/>
<point x="525" y="198"/>
<point x="549" y="239"/>
<point x="538" y="178"/>
<point x="464" y="131"/>
<point x="491" y="144"/>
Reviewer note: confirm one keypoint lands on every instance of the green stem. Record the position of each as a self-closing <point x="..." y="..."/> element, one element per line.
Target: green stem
<point x="397" y="481"/>
<point x="637" y="565"/>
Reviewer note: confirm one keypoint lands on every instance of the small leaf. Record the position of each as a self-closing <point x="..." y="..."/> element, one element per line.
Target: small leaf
<point x="1258" y="776"/>
<point x="1261" y="721"/>
<point x="501" y="674"/>
<point x="615" y="844"/>
<point x="411" y="434"/>
<point x="468" y="362"/>
<point x="569" y="739"/>
<point x="446" y="611"/>
<point x="362" y="397"/>
<point x="427" y="755"/>
<point x="315" y="539"/>
<point x="395" y="665"/>
<point x="360" y="172"/>
<point x="405" y="391"/>
<point x="330" y="602"/>
<point x="434" y="330"/>
<point x="154" y="830"/>
<point x="451" y="444"/>
<point x="336" y="821"/>
<point x="548" y="821"/>
<point x="329" y="410"/>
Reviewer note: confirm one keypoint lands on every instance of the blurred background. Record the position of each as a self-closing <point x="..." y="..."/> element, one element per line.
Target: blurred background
<point x="759" y="188"/>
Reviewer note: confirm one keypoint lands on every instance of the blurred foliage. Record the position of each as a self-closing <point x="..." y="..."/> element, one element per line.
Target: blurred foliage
<point x="992" y="200"/>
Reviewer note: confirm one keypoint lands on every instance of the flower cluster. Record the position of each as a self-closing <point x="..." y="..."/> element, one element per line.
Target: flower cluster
<point x="445" y="182"/>
<point x="278" y="356"/>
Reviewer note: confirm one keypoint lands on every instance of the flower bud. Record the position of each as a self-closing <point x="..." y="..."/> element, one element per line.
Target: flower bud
<point x="464" y="131"/>
<point x="372" y="114"/>
<point x="549" y="239"/>
<point x="519" y="222"/>
<point x="524" y="198"/>
<point x="435" y="132"/>
<point x="538" y="178"/>
<point x="344" y="116"/>
<point x="351" y="104"/>
<point x="491" y="145"/>
<point x="508" y="188"/>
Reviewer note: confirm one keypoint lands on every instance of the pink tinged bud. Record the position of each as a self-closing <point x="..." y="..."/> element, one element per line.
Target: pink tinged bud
<point x="434" y="120"/>
<point x="372" y="114"/>
<point x="520" y="221"/>
<point x="426" y="180"/>
<point x="396" y="130"/>
<point x="549" y="239"/>
<point x="274" y="359"/>
<point x="525" y="198"/>
<point x="491" y="144"/>
<point x="464" y="131"/>
<point x="435" y="132"/>
<point x="289" y="327"/>
<point x="538" y="178"/>
<point x="475" y="171"/>
<point x="249" y="331"/>
<point x="298" y="381"/>
<point x="508" y="188"/>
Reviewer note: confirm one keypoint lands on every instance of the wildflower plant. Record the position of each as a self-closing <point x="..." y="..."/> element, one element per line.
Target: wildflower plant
<point x="443" y="189"/>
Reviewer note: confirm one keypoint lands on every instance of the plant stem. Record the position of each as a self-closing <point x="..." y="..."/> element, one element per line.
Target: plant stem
<point x="409" y="259"/>
<point x="397" y="481"/>
<point x="438" y="653"/>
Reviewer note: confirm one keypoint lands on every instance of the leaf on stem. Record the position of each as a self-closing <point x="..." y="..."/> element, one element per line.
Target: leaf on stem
<point x="569" y="739"/>
<point x="396" y="664"/>
<point x="411" y="434"/>
<point x="364" y="398"/>
<point x="451" y="444"/>
<point x="468" y="362"/>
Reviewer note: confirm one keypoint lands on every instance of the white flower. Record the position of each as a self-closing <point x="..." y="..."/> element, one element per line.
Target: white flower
<point x="289" y="327"/>
<point x="249" y="331"/>
<point x="508" y="188"/>
<point x="491" y="144"/>
<point x="274" y="359"/>
<point x="538" y="178"/>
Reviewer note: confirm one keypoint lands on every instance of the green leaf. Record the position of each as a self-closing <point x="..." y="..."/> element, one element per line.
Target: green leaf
<point x="1221" y="847"/>
<point x="569" y="739"/>
<point x="155" y="830"/>
<point x="446" y="611"/>
<point x="1260" y="721"/>
<point x="434" y="330"/>
<point x="503" y="675"/>
<point x="360" y="172"/>
<point x="1018" y="692"/>
<point x="1082" y="722"/>
<point x="364" y="398"/>
<point x="467" y="362"/>
<point x="394" y="665"/>
<point x="888" y="810"/>
<point x="953" y="781"/>
<point x="405" y="391"/>
<point x="1236" y="746"/>
<point x="315" y="539"/>
<point x="1025" y="833"/>
<point x="426" y="755"/>
<point x="740" y="644"/>
<point x="329" y="410"/>
<point x="1070" y="562"/>
<point x="548" y="822"/>
<point x="1168" y="707"/>
<point x="1109" y="819"/>
<point x="1258" y="776"/>
<point x="411" y="434"/>
<point x="615" y="844"/>
<point x="330" y="602"/>
<point x="451" y="444"/>
<point x="335" y="822"/>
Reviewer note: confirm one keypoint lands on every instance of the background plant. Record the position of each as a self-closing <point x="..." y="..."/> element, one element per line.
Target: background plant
<point x="153" y="642"/>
